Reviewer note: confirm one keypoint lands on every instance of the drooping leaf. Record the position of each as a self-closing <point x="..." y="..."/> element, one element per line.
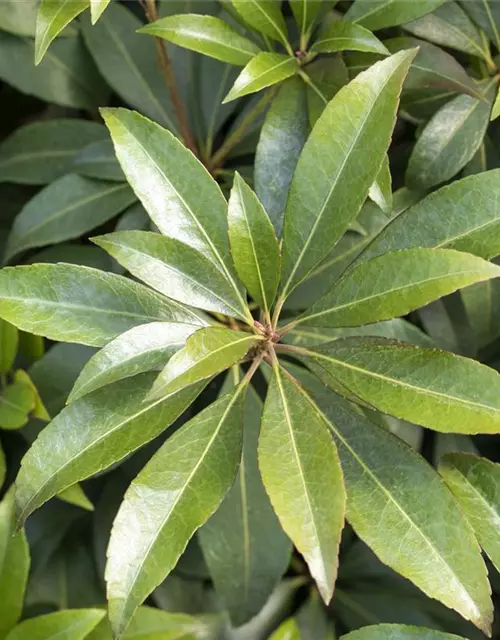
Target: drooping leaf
<point x="9" y="340"/>
<point x="321" y="204"/>
<point x="339" y="35"/>
<point x="97" y="8"/>
<point x="62" y="625"/>
<point x="78" y="304"/>
<point x="158" y="515"/>
<point x="264" y="16"/>
<point x="98" y="160"/>
<point x="432" y="388"/>
<point x="208" y="35"/>
<point x="207" y="352"/>
<point x="264" y="70"/>
<point x="53" y="16"/>
<point x="379" y="14"/>
<point x="91" y="434"/>
<point x="381" y="190"/>
<point x="398" y="632"/>
<point x="301" y="472"/>
<point x="306" y="12"/>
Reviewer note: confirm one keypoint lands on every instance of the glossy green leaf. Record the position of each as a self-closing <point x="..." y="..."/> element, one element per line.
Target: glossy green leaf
<point x="9" y="339"/>
<point x="144" y="348"/>
<point x="78" y="304"/>
<point x="301" y="472"/>
<point x="129" y="63"/>
<point x="398" y="632"/>
<point x="475" y="482"/>
<point x="14" y="567"/>
<point x="207" y="352"/>
<point x="173" y="268"/>
<point x="40" y="152"/>
<point x="66" y="209"/>
<point x="243" y="544"/>
<point x="486" y="14"/>
<point x="432" y="388"/>
<point x="448" y="142"/>
<point x="188" y="205"/>
<point x="175" y="493"/>
<point x="288" y="630"/>
<point x="17" y="400"/>
<point x="322" y="204"/>
<point x="379" y="14"/>
<point x="424" y="540"/>
<point x="97" y="8"/>
<point x="254" y="246"/>
<point x="381" y="190"/>
<point x="208" y="35"/>
<point x="264" y="16"/>
<point x="264" y="70"/>
<point x="396" y="283"/>
<point x="306" y="12"/>
<point x="53" y="16"/>
<point x="62" y="625"/>
<point x="496" y="108"/>
<point x="339" y="35"/>
<point x="105" y="426"/>
<point x="282" y="137"/>
<point x="19" y="18"/>
<point x="98" y="160"/>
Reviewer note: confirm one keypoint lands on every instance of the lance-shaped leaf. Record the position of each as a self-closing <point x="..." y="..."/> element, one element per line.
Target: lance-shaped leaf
<point x="98" y="160"/>
<point x="306" y="12"/>
<point x="301" y="472"/>
<point x="398" y="632"/>
<point x="254" y="245"/>
<point x="144" y="348"/>
<point x="429" y="542"/>
<point x="62" y="625"/>
<point x="17" y="400"/>
<point x="9" y="340"/>
<point x="328" y="75"/>
<point x="179" y="194"/>
<point x="208" y="35"/>
<point x="92" y="434"/>
<point x="262" y="71"/>
<point x="282" y="137"/>
<point x="207" y="352"/>
<point x="323" y="198"/>
<point x="396" y="283"/>
<point x="175" y="493"/>
<point x="381" y="190"/>
<point x="379" y="14"/>
<point x="341" y="35"/>
<point x="78" y="304"/>
<point x="495" y="112"/>
<point x="431" y="388"/>
<point x="464" y="216"/>
<point x="97" y="8"/>
<point x="288" y="630"/>
<point x="174" y="269"/>
<point x="243" y="543"/>
<point x="486" y="14"/>
<point x="264" y="16"/>
<point x="53" y="16"/>
<point x="475" y="483"/>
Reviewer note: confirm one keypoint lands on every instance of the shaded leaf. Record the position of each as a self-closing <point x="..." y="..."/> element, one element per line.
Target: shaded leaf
<point x="16" y="402"/>
<point x="52" y="17"/>
<point x="339" y="35"/>
<point x="379" y="14"/>
<point x="98" y="160"/>
<point x="19" y="18"/>
<point x="326" y="76"/>
<point x="9" y="339"/>
<point x="264" y="70"/>
<point x="305" y="13"/>
<point x="398" y="632"/>
<point x="76" y="495"/>
<point x="486" y="14"/>
<point x="496" y="108"/>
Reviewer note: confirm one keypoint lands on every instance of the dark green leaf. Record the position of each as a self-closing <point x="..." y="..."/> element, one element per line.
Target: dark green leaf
<point x="339" y="35"/>
<point x="486" y="14"/>
<point x="264" y="16"/>
<point x="19" y="18"/>
<point x="9" y="339"/>
<point x="264" y="70"/>
<point x="62" y="625"/>
<point x="326" y="76"/>
<point x="305" y="12"/>
<point x="53" y="16"/>
<point x="98" y="160"/>
<point x="378" y="14"/>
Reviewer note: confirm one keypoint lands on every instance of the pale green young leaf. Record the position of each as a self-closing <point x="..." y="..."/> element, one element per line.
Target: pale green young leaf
<point x="53" y="16"/>
<point x="264" y="16"/>
<point x="341" y="35"/>
<point x="144" y="348"/>
<point x="264" y="70"/>
<point x="76" y="495"/>
<point x="432" y="388"/>
<point x="207" y="352"/>
<point x="398" y="632"/>
<point x="396" y="283"/>
<point x="381" y="190"/>
<point x="379" y="14"/>
<point x="98" y="160"/>
<point x="9" y="340"/>
<point x="78" y="304"/>
<point x="175" y="493"/>
<point x="106" y="426"/>
<point x="207" y="35"/>
<point x="322" y="203"/>
<point x="62" y="625"/>
<point x="306" y="12"/>
<point x="97" y="8"/>
<point x="173" y="268"/>
<point x="427" y="541"/>
<point x="496" y="108"/>
<point x="301" y="472"/>
<point x="288" y="630"/>
<point x="254" y="245"/>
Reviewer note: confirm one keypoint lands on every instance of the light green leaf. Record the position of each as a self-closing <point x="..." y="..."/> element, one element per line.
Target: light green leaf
<point x="301" y="472"/>
<point x="282" y="137"/>
<point x="243" y="543"/>
<point x="173" y="268"/>
<point x="97" y="8"/>
<point x="17" y="400"/>
<point x="381" y="190"/>
<point x="322" y="204"/>
<point x="475" y="482"/>
<point x="208" y="35"/>
<point x="62" y="625"/>
<point x="9" y="339"/>
<point x="339" y="35"/>
<point x="75" y="495"/>
<point x="3" y="466"/>
<point x="98" y="160"/>
<point x="306" y="12"/>
<point x="39" y="410"/>
<point x="396" y="283"/>
<point x="427" y="541"/>
<point x="78" y="304"/>
<point x="496" y="108"/>
<point x="53" y="16"/>
<point x="41" y="152"/>
<point x="175" y="493"/>
<point x="398" y="632"/>
<point x="432" y="388"/>
<point x="486" y="14"/>
<point x="188" y="205"/>
<point x="144" y="348"/>
<point x="264" y="70"/>
<point x="207" y="352"/>
<point x="264" y="16"/>
<point x="379" y="14"/>
<point x="19" y="18"/>
<point x="14" y="567"/>
<point x="288" y="630"/>
<point x="105" y="427"/>
<point x="66" y="209"/>
<point x="254" y="245"/>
